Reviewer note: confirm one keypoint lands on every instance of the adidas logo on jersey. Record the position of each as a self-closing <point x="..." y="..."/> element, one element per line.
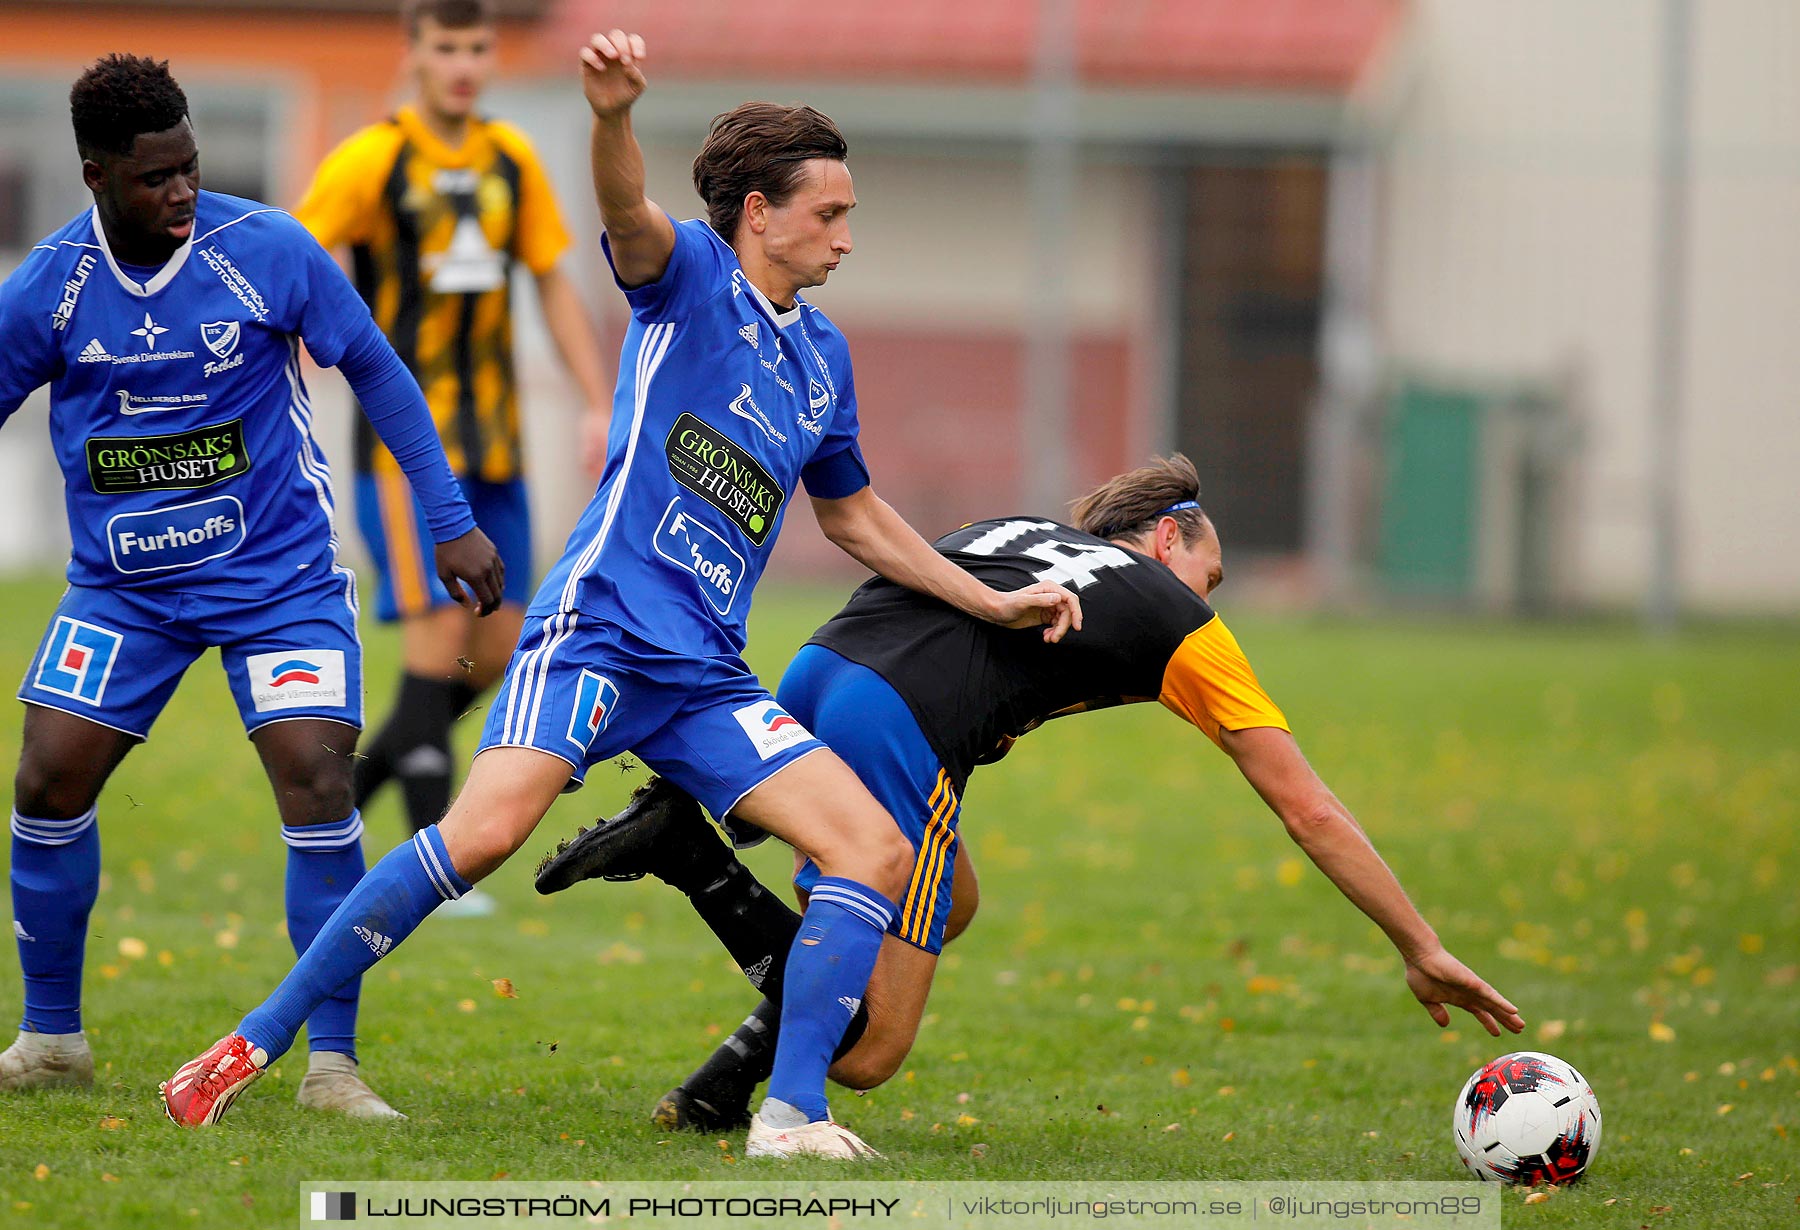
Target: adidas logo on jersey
<point x="852" y="1004"/>
<point x="377" y="942"/>
<point x="756" y="973"/>
<point x="751" y="334"/>
<point x="94" y="352"/>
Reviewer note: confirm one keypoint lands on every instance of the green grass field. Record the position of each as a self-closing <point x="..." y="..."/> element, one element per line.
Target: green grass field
<point x="1157" y="987"/>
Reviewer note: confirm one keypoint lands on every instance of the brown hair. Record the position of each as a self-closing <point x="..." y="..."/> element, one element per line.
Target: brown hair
<point x="450" y="14"/>
<point x="1130" y="504"/>
<point x="759" y="147"/>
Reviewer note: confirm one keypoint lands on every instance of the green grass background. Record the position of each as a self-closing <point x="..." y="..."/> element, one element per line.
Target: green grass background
<point x="1156" y="986"/>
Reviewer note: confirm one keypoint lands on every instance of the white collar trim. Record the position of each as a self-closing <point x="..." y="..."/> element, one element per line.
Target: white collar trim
<point x="165" y="275"/>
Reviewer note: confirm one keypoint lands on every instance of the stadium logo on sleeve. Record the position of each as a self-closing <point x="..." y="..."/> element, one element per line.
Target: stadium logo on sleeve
<point x="71" y="295"/>
<point x="718" y="470"/>
<point x="698" y="548"/>
<point x="78" y="659"/>
<point x="595" y="699"/>
<point x="297" y="679"/>
<point x="770" y="727"/>
<point x="181" y="536"/>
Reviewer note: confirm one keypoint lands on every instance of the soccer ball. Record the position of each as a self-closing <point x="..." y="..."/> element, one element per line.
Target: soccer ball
<point x="1527" y="1118"/>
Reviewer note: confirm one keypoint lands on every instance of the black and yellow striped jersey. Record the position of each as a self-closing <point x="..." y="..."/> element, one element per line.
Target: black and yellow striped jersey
<point x="433" y="233"/>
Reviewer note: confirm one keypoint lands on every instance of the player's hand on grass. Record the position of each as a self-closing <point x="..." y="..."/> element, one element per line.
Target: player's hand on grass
<point x="610" y="76"/>
<point x="473" y="560"/>
<point x="1046" y="603"/>
<point x="1438" y="979"/>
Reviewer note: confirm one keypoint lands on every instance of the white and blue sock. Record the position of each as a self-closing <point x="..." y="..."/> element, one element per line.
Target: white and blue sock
<point x="55" y="880"/>
<point x="325" y="861"/>
<point x="828" y="971"/>
<point x="385" y="907"/>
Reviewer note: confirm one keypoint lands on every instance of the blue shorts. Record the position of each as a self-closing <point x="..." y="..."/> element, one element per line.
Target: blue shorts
<point x="114" y="656"/>
<point x="863" y="720"/>
<point x="393" y="526"/>
<point x="586" y="690"/>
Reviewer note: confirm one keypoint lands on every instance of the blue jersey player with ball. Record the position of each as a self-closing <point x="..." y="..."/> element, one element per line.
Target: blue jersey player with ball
<point x="167" y="322"/>
<point x="734" y="394"/>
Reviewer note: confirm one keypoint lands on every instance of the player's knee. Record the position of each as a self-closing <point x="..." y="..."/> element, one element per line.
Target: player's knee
<point x="46" y="790"/>
<point x="313" y="787"/>
<point x="478" y="845"/>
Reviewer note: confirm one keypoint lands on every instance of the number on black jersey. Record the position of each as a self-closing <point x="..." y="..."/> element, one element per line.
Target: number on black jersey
<point x="1072" y="562"/>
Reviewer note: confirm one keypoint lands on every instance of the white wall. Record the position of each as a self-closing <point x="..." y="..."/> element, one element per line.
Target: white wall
<point x="1517" y="237"/>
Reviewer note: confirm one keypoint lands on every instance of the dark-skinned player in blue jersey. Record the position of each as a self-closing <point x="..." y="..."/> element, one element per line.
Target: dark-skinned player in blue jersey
<point x="167" y="321"/>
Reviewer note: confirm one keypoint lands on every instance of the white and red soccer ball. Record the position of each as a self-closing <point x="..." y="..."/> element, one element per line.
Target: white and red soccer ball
<point x="1527" y="1118"/>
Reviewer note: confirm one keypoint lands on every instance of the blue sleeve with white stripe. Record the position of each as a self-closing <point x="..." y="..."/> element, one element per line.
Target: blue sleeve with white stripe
<point x="27" y="358"/>
<point x="699" y="267"/>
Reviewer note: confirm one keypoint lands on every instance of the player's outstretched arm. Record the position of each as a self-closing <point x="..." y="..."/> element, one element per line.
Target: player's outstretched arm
<point x="638" y="232"/>
<point x="1271" y="762"/>
<point x="867" y="528"/>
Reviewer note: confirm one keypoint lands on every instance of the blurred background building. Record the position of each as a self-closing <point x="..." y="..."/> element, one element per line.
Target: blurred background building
<point x="1452" y="302"/>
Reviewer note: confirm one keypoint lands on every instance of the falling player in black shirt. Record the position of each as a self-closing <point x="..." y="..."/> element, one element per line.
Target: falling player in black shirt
<point x="914" y="695"/>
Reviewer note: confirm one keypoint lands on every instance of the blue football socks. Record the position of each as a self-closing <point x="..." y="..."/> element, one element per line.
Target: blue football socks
<point x="55" y="880"/>
<point x="385" y="907"/>
<point x="828" y="971"/>
<point x="325" y="861"/>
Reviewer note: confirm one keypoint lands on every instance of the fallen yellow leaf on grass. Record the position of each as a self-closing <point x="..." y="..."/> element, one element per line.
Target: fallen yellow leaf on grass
<point x="966" y="1121"/>
<point x="1180" y="1078"/>
<point x="465" y="1005"/>
<point x="132" y="948"/>
<point x="1550" y="1031"/>
<point x="503" y="987"/>
<point x="1660" y="1032"/>
<point x="1173" y="1127"/>
<point x="1725" y="1108"/>
<point x="108" y="1178"/>
<point x="1750" y="944"/>
<point x="111" y="1123"/>
<point x="41" y="1173"/>
<point x="1536" y="1197"/>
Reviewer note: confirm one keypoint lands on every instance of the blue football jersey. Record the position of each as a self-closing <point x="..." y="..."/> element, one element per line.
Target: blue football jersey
<point x="724" y="407"/>
<point x="177" y="410"/>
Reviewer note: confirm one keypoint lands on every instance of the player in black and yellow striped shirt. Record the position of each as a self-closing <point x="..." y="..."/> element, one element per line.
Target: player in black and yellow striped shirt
<point x="913" y="695"/>
<point x="437" y="205"/>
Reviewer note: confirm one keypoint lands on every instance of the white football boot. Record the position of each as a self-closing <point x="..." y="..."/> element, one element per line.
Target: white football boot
<point x="331" y="1083"/>
<point x="825" y="1138"/>
<point x="47" y="1061"/>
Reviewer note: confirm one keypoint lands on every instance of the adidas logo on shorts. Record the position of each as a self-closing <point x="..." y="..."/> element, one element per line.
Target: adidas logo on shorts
<point x="852" y="1004"/>
<point x="756" y="973"/>
<point x="377" y="942"/>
